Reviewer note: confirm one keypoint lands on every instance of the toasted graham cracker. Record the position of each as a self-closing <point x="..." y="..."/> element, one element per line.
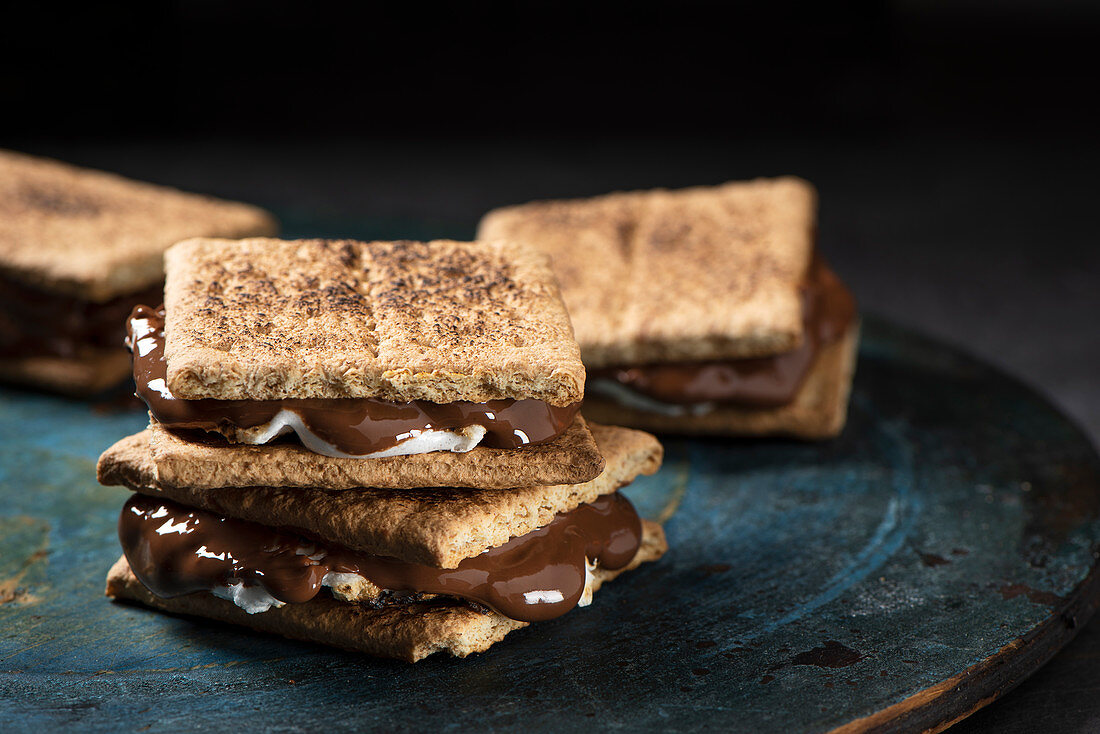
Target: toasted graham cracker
<point x="88" y="373"/>
<point x="407" y="632"/>
<point x="818" y="411"/>
<point x="437" y="527"/>
<point x="442" y="321"/>
<point x="95" y="235"/>
<point x="204" y="462"/>
<point x="656" y="276"/>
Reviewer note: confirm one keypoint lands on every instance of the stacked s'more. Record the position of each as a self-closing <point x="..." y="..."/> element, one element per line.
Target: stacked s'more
<point x="78" y="250"/>
<point x="376" y="446"/>
<point x="706" y="310"/>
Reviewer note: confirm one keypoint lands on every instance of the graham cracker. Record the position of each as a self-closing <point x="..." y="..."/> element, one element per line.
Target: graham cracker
<point x="408" y="632"/>
<point x="96" y="235"/>
<point x="437" y="527"/>
<point x="698" y="274"/>
<point x="202" y="462"/>
<point x="87" y="373"/>
<point x="443" y="321"/>
<point x="818" y="411"/>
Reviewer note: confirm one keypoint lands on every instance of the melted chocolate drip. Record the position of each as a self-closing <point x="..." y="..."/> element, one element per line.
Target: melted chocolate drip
<point x="176" y="550"/>
<point x="355" y="426"/>
<point x="827" y="310"/>
<point x="35" y="322"/>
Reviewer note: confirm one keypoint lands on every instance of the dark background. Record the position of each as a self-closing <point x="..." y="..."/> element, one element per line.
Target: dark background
<point x="954" y="144"/>
<point x="575" y="70"/>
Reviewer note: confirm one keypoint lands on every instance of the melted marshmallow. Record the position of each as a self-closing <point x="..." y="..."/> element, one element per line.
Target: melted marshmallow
<point x="416" y="442"/>
<point x="623" y="395"/>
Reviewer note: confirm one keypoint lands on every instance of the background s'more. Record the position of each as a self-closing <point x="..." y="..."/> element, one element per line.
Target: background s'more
<point x="78" y="249"/>
<point x="701" y="310"/>
<point x="371" y="445"/>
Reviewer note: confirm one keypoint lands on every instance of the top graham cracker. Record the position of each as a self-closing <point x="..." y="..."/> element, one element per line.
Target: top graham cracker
<point x="96" y="235"/>
<point x="266" y="319"/>
<point x="707" y="273"/>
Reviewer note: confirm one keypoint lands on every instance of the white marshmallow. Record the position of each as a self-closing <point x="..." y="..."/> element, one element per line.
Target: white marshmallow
<point x="252" y="599"/>
<point x="415" y="442"/>
<point x="625" y="396"/>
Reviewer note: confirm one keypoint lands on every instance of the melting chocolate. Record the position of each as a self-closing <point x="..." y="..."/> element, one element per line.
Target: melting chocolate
<point x="827" y="310"/>
<point x="354" y="426"/>
<point x="176" y="550"/>
<point x="36" y="322"/>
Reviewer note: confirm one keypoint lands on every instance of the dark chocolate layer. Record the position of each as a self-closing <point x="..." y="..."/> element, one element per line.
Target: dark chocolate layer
<point x="828" y="309"/>
<point x="176" y="550"/>
<point x="354" y="426"/>
<point x="36" y="323"/>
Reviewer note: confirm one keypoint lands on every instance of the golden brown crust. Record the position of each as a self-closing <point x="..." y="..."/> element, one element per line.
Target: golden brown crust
<point x="204" y="463"/>
<point x="704" y="273"/>
<point x="818" y="411"/>
<point x="96" y="235"/>
<point x="407" y="632"/>
<point x="443" y="321"/>
<point x="87" y="373"/>
<point x="437" y="527"/>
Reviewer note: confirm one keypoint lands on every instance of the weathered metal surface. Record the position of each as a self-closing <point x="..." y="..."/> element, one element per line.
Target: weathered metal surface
<point x="950" y="532"/>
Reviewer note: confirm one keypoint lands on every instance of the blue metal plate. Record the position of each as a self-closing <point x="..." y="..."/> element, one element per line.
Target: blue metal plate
<point x="908" y="571"/>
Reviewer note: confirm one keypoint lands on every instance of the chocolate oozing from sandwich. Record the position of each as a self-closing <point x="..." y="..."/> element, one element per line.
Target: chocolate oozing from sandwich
<point x="828" y="310"/>
<point x="353" y="426"/>
<point x="176" y="550"/>
<point x="36" y="322"/>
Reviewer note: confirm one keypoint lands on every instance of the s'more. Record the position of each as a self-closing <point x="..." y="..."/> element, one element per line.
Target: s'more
<point x="393" y="573"/>
<point x="705" y="310"/>
<point x="373" y="445"/>
<point x="78" y="249"/>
